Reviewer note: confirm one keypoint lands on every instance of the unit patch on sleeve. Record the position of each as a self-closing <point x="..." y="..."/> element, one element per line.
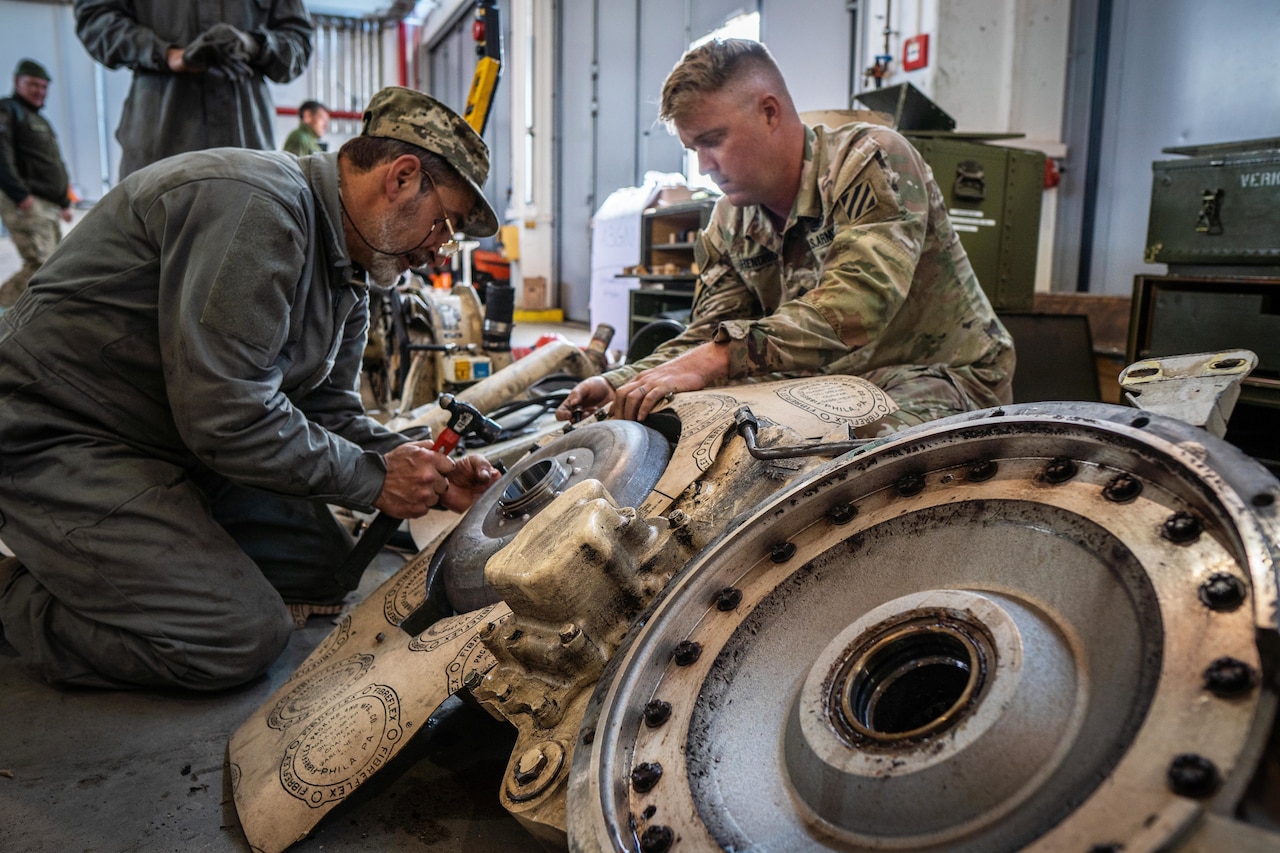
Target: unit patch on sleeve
<point x="859" y="200"/>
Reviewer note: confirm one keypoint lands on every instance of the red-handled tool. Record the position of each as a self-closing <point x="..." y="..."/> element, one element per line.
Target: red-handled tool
<point x="463" y="418"/>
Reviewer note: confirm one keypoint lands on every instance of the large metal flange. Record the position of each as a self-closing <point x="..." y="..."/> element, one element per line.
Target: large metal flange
<point x="625" y="456"/>
<point x="1030" y="627"/>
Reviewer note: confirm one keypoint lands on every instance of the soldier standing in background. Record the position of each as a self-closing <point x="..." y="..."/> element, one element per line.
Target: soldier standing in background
<point x="34" y="192"/>
<point x="830" y="252"/>
<point x="313" y="120"/>
<point x="200" y="70"/>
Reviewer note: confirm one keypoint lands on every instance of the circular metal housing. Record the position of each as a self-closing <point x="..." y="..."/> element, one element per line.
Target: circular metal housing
<point x="626" y="457"/>
<point x="1004" y="657"/>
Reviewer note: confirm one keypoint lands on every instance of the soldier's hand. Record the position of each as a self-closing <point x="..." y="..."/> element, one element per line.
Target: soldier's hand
<point x="471" y="477"/>
<point x="692" y="370"/>
<point x="416" y="478"/>
<point x="585" y="398"/>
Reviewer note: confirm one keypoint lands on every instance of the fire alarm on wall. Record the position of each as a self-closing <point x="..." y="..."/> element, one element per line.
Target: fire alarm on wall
<point x="915" y="52"/>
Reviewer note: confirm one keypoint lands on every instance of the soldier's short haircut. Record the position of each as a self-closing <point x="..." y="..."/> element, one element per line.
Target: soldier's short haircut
<point x="365" y="152"/>
<point x="710" y="67"/>
<point x="310" y="107"/>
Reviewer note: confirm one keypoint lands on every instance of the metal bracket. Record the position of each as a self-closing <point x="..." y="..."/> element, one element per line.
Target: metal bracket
<point x="1208" y="221"/>
<point x="1200" y="389"/>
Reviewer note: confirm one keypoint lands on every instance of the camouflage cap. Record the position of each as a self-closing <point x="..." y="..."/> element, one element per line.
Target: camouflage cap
<point x="31" y="68"/>
<point x="419" y="119"/>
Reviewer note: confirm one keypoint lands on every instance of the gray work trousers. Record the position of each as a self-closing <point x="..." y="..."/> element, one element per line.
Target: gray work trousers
<point x="138" y="572"/>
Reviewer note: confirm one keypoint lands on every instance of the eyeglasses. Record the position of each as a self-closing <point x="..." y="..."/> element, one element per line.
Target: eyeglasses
<point x="449" y="247"/>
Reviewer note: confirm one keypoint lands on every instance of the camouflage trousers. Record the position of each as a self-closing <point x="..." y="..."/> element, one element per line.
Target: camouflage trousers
<point x="927" y="393"/>
<point x="35" y="234"/>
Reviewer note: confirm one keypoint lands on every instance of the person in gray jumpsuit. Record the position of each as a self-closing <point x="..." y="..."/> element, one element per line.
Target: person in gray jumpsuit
<point x="200" y="69"/>
<point x="179" y="404"/>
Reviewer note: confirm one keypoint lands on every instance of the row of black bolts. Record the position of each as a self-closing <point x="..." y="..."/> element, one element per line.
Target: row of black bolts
<point x="1189" y="775"/>
<point x="644" y="776"/>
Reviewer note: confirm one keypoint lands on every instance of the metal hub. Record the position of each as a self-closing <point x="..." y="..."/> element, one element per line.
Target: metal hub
<point x="992" y="632"/>
<point x="534" y="487"/>
<point x="626" y="457"/>
<point x="908" y="678"/>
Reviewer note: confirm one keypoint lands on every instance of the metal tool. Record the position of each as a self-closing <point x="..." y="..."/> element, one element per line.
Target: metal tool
<point x="464" y="418"/>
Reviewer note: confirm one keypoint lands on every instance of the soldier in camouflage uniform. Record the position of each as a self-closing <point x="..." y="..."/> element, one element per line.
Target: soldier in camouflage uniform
<point x="830" y="252"/>
<point x="34" y="192"/>
<point x="167" y="466"/>
<point x="303" y="140"/>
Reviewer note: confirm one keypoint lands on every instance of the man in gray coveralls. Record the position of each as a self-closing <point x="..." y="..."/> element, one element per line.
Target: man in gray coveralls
<point x="200" y="69"/>
<point x="178" y="399"/>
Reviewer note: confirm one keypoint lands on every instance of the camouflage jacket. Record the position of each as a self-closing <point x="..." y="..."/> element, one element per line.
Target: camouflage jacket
<point x="866" y="273"/>
<point x="302" y="141"/>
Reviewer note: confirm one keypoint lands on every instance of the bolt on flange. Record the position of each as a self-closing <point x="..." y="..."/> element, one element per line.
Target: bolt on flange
<point x="728" y="599"/>
<point x="841" y="514"/>
<point x="657" y="839"/>
<point x="1222" y="592"/>
<point x="1182" y="528"/>
<point x="535" y="771"/>
<point x="1227" y="677"/>
<point x="1193" y="776"/>
<point x="1122" y="489"/>
<point x="656" y="713"/>
<point x="910" y="485"/>
<point x="981" y="470"/>
<point x="645" y="776"/>
<point x="687" y="652"/>
<point x="1060" y="470"/>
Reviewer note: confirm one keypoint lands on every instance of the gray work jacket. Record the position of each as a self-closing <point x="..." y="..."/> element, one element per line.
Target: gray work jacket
<point x="204" y="313"/>
<point x="167" y="113"/>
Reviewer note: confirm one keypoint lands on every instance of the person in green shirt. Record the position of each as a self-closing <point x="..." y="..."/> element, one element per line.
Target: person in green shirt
<point x="313" y="120"/>
<point x="830" y="252"/>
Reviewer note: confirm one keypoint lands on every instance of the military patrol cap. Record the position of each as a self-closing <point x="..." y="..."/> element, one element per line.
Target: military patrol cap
<point x="419" y="119"/>
<point x="31" y="68"/>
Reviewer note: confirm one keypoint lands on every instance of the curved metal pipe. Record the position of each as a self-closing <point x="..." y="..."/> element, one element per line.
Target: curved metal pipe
<point x="746" y="424"/>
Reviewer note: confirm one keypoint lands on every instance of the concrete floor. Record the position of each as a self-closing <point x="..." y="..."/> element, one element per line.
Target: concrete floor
<point x="94" y="770"/>
<point x="106" y="771"/>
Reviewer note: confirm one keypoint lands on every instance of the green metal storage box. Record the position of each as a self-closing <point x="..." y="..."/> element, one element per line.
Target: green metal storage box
<point x="1219" y="206"/>
<point x="993" y="194"/>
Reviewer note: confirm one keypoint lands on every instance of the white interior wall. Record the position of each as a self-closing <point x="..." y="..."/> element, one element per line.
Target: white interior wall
<point x="996" y="66"/>
<point x="1180" y="72"/>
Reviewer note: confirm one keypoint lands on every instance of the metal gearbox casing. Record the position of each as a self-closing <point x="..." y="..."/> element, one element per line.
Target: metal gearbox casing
<point x="1044" y="627"/>
<point x="1048" y="626"/>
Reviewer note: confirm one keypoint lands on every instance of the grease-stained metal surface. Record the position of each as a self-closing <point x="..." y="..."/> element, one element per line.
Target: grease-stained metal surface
<point x="1097" y="723"/>
<point x="1034" y="627"/>
<point x="627" y="458"/>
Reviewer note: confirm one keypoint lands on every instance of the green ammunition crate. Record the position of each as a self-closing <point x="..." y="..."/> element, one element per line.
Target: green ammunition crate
<point x="993" y="194"/>
<point x="1218" y="207"/>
